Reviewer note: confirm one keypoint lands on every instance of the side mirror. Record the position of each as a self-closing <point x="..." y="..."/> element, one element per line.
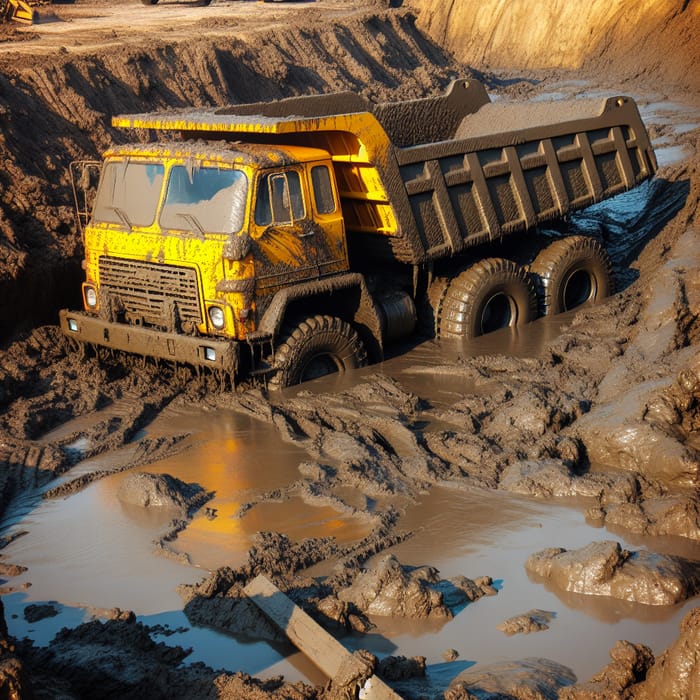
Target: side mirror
<point x="237" y="247"/>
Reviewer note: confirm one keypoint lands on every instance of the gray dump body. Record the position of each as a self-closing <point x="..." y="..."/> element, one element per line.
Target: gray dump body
<point x="508" y="168"/>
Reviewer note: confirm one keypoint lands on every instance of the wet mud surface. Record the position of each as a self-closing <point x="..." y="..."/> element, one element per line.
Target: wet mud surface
<point x="473" y="519"/>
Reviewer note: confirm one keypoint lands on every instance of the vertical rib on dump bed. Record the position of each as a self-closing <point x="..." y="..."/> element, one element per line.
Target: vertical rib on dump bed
<point x="425" y="179"/>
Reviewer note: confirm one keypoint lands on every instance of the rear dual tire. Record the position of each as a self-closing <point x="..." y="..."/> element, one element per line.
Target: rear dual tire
<point x="570" y="272"/>
<point x="496" y="293"/>
<point x="491" y="294"/>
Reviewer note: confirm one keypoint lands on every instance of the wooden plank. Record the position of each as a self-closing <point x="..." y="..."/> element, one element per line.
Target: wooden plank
<point x="324" y="650"/>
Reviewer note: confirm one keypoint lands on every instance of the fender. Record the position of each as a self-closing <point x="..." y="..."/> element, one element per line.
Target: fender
<point x="358" y="307"/>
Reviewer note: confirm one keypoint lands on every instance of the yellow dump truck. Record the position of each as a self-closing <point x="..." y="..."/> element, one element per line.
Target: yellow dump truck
<point x="290" y="239"/>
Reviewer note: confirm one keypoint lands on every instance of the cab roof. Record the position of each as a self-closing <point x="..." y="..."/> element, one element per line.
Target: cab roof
<point x="231" y="152"/>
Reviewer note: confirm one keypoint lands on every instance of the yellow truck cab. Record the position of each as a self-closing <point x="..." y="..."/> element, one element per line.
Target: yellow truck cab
<point x="194" y="243"/>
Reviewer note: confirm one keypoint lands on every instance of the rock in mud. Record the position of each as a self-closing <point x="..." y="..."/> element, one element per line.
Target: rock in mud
<point x="531" y="621"/>
<point x="628" y="665"/>
<point x="391" y="590"/>
<point x="605" y="569"/>
<point x="161" y="491"/>
<point x="675" y="515"/>
<point x="676" y="673"/>
<point x="450" y="654"/>
<point x="528" y="679"/>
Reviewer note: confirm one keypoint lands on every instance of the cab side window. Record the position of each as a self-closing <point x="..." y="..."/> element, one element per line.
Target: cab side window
<point x="323" y="190"/>
<point x="280" y="199"/>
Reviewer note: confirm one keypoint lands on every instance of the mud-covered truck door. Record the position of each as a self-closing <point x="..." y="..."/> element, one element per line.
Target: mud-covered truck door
<point x="304" y="296"/>
<point x="297" y="228"/>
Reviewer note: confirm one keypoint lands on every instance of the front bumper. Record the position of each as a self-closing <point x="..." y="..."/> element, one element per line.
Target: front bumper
<point x="204" y="352"/>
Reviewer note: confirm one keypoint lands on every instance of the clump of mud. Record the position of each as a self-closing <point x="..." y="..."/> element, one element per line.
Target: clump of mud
<point x="531" y="621"/>
<point x="389" y="590"/>
<point x="161" y="491"/>
<point x="634" y="673"/>
<point x="629" y="664"/>
<point x="605" y="569"/>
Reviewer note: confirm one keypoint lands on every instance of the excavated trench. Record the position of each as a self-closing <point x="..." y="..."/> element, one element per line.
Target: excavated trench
<point x="509" y="467"/>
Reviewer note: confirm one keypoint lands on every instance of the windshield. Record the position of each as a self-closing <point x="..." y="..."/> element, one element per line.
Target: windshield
<point x="128" y="193"/>
<point x="205" y="199"/>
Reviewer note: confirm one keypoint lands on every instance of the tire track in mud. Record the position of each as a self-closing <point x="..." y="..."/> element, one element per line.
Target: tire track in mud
<point x="58" y="410"/>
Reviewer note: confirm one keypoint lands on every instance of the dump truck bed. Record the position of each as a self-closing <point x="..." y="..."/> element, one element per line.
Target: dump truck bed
<point x="425" y="179"/>
<point x="513" y="167"/>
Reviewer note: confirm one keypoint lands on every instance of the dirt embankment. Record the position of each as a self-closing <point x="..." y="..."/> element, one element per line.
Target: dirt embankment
<point x="654" y="40"/>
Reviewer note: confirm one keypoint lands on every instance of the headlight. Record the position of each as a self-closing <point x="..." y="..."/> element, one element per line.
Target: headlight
<point x="91" y="297"/>
<point x="216" y="316"/>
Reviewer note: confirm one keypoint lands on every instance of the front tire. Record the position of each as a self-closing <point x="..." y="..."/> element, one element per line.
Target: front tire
<point x="314" y="347"/>
<point x="570" y="272"/>
<point x="491" y="294"/>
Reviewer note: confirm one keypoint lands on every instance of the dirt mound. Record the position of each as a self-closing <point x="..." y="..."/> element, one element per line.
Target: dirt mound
<point x="529" y="678"/>
<point x="629" y="664"/>
<point x="161" y="491"/>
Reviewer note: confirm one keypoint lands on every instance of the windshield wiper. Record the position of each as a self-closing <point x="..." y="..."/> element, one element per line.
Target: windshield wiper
<point x="192" y="221"/>
<point x="122" y="215"/>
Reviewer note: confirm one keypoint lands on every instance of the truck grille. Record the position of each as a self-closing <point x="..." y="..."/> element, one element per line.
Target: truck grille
<point x="145" y="292"/>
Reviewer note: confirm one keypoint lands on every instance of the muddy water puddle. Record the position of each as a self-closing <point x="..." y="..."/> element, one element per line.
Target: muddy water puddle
<point x="474" y="534"/>
<point x="89" y="551"/>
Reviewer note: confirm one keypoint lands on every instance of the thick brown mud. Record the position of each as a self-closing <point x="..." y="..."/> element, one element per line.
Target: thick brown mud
<point x="398" y="505"/>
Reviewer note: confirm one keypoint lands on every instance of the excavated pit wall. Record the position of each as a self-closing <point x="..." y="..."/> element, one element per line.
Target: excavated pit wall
<point x="634" y="38"/>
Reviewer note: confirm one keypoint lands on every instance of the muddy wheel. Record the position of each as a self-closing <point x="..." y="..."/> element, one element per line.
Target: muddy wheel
<point x="314" y="347"/>
<point x="569" y="272"/>
<point x="490" y="295"/>
<point x="430" y="308"/>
